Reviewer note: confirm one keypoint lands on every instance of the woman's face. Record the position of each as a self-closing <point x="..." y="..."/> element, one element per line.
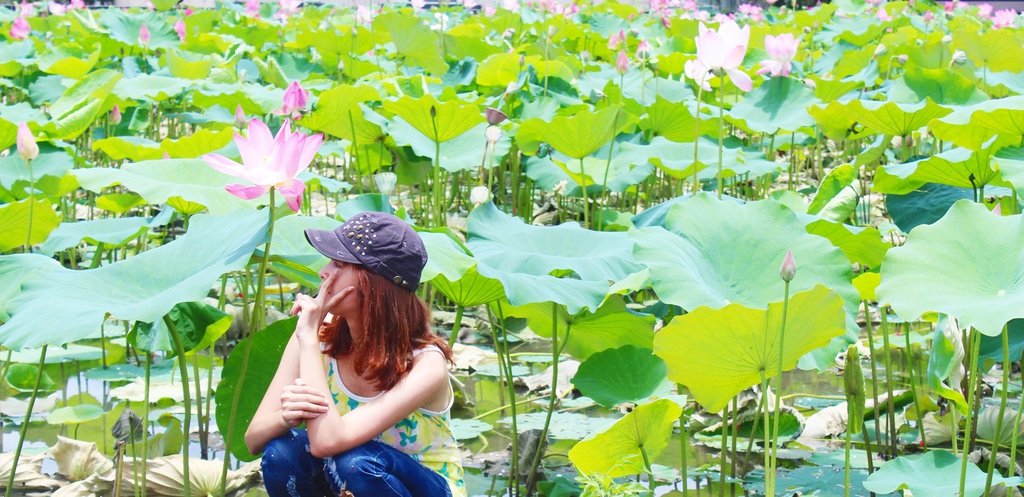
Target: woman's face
<point x="344" y="276"/>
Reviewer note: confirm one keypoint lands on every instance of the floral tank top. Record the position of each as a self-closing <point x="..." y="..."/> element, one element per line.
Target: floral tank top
<point x="425" y="435"/>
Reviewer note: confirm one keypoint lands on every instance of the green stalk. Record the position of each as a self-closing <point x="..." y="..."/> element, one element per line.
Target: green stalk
<point x="846" y="466"/>
<point x="913" y="391"/>
<point x="604" y="183"/>
<point x="721" y="136"/>
<point x="179" y="349"/>
<point x="874" y="373"/>
<point x="973" y="373"/>
<point x="24" y="426"/>
<point x="684" y="442"/>
<point x="647" y="466"/>
<point x="696" y="141"/>
<point x="1002" y="411"/>
<point x="778" y="379"/>
<point x="555" y="353"/>
<point x="258" y="317"/>
<point x="145" y="422"/>
<point x="507" y="363"/>
<point x="586" y="202"/>
<point x="203" y="435"/>
<point x="769" y="475"/>
<point x="721" y="464"/>
<point x="890" y="410"/>
<point x="456" y="327"/>
<point x="31" y="201"/>
<point x="439" y="220"/>
<point x="1016" y="423"/>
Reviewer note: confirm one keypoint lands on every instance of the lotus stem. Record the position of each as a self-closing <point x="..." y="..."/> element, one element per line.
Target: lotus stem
<point x="199" y="405"/>
<point x="973" y="373"/>
<point x="846" y="466"/>
<point x="1002" y="411"/>
<point x="874" y="373"/>
<point x="179" y="349"/>
<point x="555" y="353"/>
<point x="1016" y="433"/>
<point x="647" y="466"/>
<point x="913" y="391"/>
<point x="778" y="380"/>
<point x="504" y="360"/>
<point x="604" y="183"/>
<point x="586" y="202"/>
<point x="722" y="463"/>
<point x="721" y="136"/>
<point x="684" y="442"/>
<point x="890" y="411"/>
<point x="31" y="207"/>
<point x="258" y="318"/>
<point x="439" y="221"/>
<point x="769" y="475"/>
<point x="24" y="426"/>
<point x="696" y="140"/>
<point x="456" y="326"/>
<point x="145" y="422"/>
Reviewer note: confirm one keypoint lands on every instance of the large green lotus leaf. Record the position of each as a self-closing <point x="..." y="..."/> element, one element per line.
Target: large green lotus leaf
<point x="254" y="99"/>
<point x="1011" y="81"/>
<point x="892" y="118"/>
<point x="199" y="325"/>
<point x="76" y="109"/>
<point x="265" y="352"/>
<point x="624" y="374"/>
<point x="14" y="269"/>
<point x="290" y="240"/>
<point x="189" y="66"/>
<point x="935" y="473"/>
<point x="453" y="117"/>
<point x="616" y="451"/>
<point x="52" y="161"/>
<point x="140" y="288"/>
<point x="613" y="325"/>
<point x="523" y="257"/>
<point x="676" y="159"/>
<point x="13" y="115"/>
<point x="779" y="104"/>
<point x="150" y="87"/>
<point x="675" y="121"/>
<point x="124" y="27"/>
<point x="714" y="253"/>
<point x="14" y="56"/>
<point x="67" y="60"/>
<point x="971" y="126"/>
<point x="1010" y="163"/>
<point x="924" y="205"/>
<point x="73" y="415"/>
<point x="942" y="86"/>
<point x="831" y="200"/>
<point x="113" y="232"/>
<point x="833" y="119"/>
<point x="959" y="167"/>
<point x="22" y="377"/>
<point x="14" y="222"/>
<point x="947" y="355"/>
<point x="717" y="353"/>
<point x="967" y="265"/>
<point x="547" y="173"/>
<point x="577" y="136"/>
<point x="414" y="41"/>
<point x="862" y="245"/>
<point x="159" y="180"/>
<point x="993" y="49"/>
<point x="992" y="347"/>
<point x="460" y="153"/>
<point x="453" y="272"/>
<point x="337" y="111"/>
<point x="498" y="70"/>
<point x="136" y="148"/>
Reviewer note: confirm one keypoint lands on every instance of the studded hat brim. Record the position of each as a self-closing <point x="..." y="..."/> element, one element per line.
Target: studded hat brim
<point x="327" y="243"/>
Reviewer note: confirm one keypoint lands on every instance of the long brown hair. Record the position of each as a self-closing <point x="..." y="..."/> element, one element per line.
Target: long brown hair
<point x="396" y="322"/>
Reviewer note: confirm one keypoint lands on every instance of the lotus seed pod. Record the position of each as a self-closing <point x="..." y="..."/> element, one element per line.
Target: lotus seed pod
<point x="385" y="182"/>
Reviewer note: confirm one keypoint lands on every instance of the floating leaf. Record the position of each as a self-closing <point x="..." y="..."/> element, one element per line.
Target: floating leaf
<point x="617" y="450"/>
<point x="935" y="473"/>
<point x="74" y="414"/>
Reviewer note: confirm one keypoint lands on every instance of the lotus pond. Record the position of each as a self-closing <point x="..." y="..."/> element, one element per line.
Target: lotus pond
<point x="677" y="251"/>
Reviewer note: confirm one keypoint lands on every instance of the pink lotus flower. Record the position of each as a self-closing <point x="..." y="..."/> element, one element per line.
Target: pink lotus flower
<point x="469" y="4"/>
<point x="189" y="12"/>
<point x="77" y="5"/>
<point x="882" y="15"/>
<point x="700" y="75"/>
<point x="179" y="27"/>
<point x="144" y="36"/>
<point x="722" y="18"/>
<point x="984" y="10"/>
<point x="616" y="39"/>
<point x="622" y="63"/>
<point x="690" y="5"/>
<point x="512" y="5"/>
<point x="364" y="15"/>
<point x="269" y="162"/>
<point x="27" y="9"/>
<point x="252" y="8"/>
<point x="286" y="9"/>
<point x="20" y="29"/>
<point x="723" y="51"/>
<point x="26" y="141"/>
<point x="643" y="49"/>
<point x="781" y="49"/>
<point x="929" y="17"/>
<point x="417" y="4"/>
<point x="490" y="10"/>
<point x="294" y="101"/>
<point x="1004" y="18"/>
<point x="56" y="8"/>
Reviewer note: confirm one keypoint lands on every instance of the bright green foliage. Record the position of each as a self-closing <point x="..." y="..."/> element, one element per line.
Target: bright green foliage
<point x="778" y="105"/>
<point x="14" y="223"/>
<point x="453" y="272"/>
<point x="716" y="353"/>
<point x="113" y="231"/>
<point x="966" y="265"/>
<point x="935" y="473"/>
<point x="617" y="450"/>
<point x="199" y="326"/>
<point x="945" y="364"/>
<point x="450" y="119"/>
<point x="74" y="414"/>
<point x="577" y="136"/>
<point x="625" y="374"/>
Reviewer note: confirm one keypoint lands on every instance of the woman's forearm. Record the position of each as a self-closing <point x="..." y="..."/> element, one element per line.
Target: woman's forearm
<point x="265" y="426"/>
<point x="324" y="430"/>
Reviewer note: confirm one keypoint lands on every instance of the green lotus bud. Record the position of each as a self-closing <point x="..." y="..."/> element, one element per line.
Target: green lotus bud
<point x="853" y="385"/>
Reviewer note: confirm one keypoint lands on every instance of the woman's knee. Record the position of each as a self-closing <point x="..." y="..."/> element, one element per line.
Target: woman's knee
<point x="363" y="460"/>
<point x="285" y="451"/>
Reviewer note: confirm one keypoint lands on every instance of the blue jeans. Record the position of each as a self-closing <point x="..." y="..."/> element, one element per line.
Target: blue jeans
<point x="372" y="469"/>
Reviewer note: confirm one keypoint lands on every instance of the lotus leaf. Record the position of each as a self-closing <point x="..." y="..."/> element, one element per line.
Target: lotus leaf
<point x="676" y="122"/>
<point x="523" y="258"/>
<point x="836" y="198"/>
<point x="14" y="223"/>
<point x="74" y="414"/>
<point x="452" y="118"/>
<point x="626" y="447"/>
<point x="150" y="87"/>
<point x="52" y="161"/>
<point x="925" y="205"/>
<point x="453" y="272"/>
<point x="22" y="377"/>
<point x="717" y="353"/>
<point x="564" y="425"/>
<point x="413" y="40"/>
<point x="457" y="154"/>
<point x="1010" y="163"/>
<point x="112" y="231"/>
<point x="967" y="265"/>
<point x="625" y="374"/>
<point x="959" y="167"/>
<point x="778" y="105"/>
<point x="942" y="86"/>
<point x="142" y="288"/>
<point x="199" y="325"/>
<point x="893" y="118"/>
<point x="467" y="429"/>
<point x="577" y="136"/>
<point x="989" y="49"/>
<point x="935" y="473"/>
<point x="971" y="126"/>
<point x="67" y="60"/>
<point x="333" y="109"/>
<point x="862" y="245"/>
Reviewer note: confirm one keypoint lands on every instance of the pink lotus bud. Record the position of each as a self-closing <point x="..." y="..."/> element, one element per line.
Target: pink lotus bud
<point x="622" y="63"/>
<point x="666" y="22"/>
<point x="240" y="119"/>
<point x="27" y="147"/>
<point x="77" y="5"/>
<point x="144" y="36"/>
<point x="998" y="209"/>
<point x="27" y="9"/>
<point x="585" y="56"/>
<point x="643" y="49"/>
<point x="929" y="17"/>
<point x="179" y="27"/>
<point x="493" y="134"/>
<point x="115" y="116"/>
<point x="252" y="8"/>
<point x="788" y="269"/>
<point x="56" y="8"/>
<point x="902" y="59"/>
<point x="166" y="156"/>
<point x="880" y="50"/>
<point x="20" y="29"/>
<point x="494" y="116"/>
<point x="294" y="100"/>
<point x="188" y="12"/>
<point x="959" y="58"/>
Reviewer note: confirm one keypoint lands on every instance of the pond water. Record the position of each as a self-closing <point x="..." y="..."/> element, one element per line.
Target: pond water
<point x="77" y="376"/>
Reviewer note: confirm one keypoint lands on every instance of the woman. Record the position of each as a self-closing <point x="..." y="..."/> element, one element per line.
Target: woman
<point x="364" y="345"/>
